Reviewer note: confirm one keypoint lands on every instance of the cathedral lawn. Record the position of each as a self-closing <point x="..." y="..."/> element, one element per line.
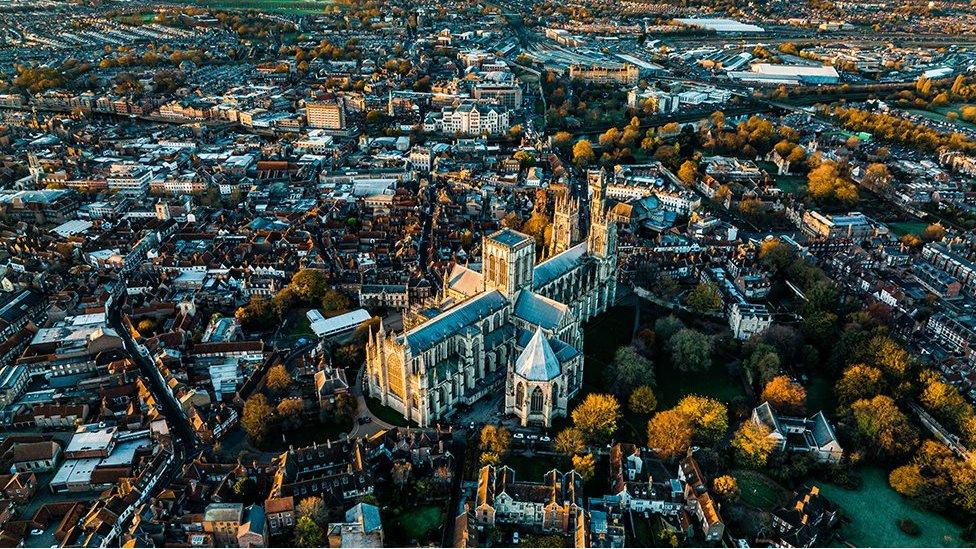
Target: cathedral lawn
<point x="611" y="330"/>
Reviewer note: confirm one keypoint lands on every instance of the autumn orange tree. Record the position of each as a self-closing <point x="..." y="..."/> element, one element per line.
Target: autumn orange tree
<point x="694" y="418"/>
<point x="785" y="395"/>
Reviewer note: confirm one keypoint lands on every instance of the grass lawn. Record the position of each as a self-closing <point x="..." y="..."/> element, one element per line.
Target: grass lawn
<point x="532" y="468"/>
<point x="901" y="228"/>
<point x="819" y="395"/>
<point x="716" y="382"/>
<point x="297" y="326"/>
<point x="875" y="508"/>
<point x="790" y="184"/>
<point x="311" y="432"/>
<point x="759" y="490"/>
<point x="386" y="413"/>
<point x="602" y="336"/>
<point x="417" y="523"/>
<point x="640" y="535"/>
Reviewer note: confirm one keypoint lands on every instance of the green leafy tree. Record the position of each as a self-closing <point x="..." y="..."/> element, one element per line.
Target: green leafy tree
<point x="642" y="400"/>
<point x="308" y="534"/>
<point x="628" y="370"/>
<point x="690" y="350"/>
<point x="705" y="298"/>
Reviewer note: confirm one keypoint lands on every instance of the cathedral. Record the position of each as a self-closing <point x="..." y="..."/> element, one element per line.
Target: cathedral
<point x="512" y="325"/>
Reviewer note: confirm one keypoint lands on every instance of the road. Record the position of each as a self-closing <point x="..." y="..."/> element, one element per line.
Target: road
<point x="186" y="444"/>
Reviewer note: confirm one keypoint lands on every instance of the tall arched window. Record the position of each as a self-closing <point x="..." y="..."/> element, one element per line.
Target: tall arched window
<point x="555" y="393"/>
<point x="536" y="406"/>
<point x="519" y="396"/>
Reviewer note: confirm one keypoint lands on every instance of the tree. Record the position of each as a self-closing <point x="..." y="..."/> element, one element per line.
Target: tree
<point x="145" y="326"/>
<point x="596" y="417"/>
<point x="256" y="418"/>
<point x="334" y="303"/>
<point x="907" y="480"/>
<point x="310" y="284"/>
<point x="666" y="326"/>
<point x="763" y="363"/>
<point x="401" y="473"/>
<point x="859" y="381"/>
<point x="826" y="182"/>
<point x="669" y="433"/>
<point x="934" y="232"/>
<point x="709" y="417"/>
<point x="752" y="444"/>
<point x="785" y="395"/>
<point x="642" y="400"/>
<point x="704" y="298"/>
<point x="944" y="400"/>
<point x="883" y="426"/>
<point x="561" y="139"/>
<point x="245" y="489"/>
<point x="688" y="172"/>
<point x="628" y="370"/>
<point x="583" y="153"/>
<point x="876" y="176"/>
<point x="290" y="409"/>
<point x="308" y="534"/>
<point x="585" y="465"/>
<point x="278" y="379"/>
<point x="727" y="487"/>
<point x="776" y="255"/>
<point x="313" y="507"/>
<point x="891" y="357"/>
<point x="570" y="442"/>
<point x="690" y="350"/>
<point x="494" y="442"/>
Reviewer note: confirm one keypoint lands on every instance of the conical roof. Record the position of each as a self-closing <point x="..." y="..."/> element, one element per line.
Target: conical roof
<point x="538" y="362"/>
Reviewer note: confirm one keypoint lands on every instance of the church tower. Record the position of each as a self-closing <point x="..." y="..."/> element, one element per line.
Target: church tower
<point x="565" y="224"/>
<point x="602" y="239"/>
<point x="508" y="258"/>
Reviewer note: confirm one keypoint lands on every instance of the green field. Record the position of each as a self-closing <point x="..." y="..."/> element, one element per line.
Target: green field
<point x="938" y="114"/>
<point x="417" y="523"/>
<point x="716" y="382"/>
<point x="875" y="508"/>
<point x="790" y="184"/>
<point x="901" y="228"/>
<point x="760" y="491"/>
<point x="287" y="7"/>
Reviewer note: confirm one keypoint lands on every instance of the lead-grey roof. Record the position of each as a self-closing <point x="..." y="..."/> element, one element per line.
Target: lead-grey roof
<point x="509" y="237"/>
<point x="557" y="265"/>
<point x="539" y="310"/>
<point x="446" y="324"/>
<point x="538" y="362"/>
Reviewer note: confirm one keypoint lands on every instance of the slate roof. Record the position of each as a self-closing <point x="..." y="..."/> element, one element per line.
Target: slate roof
<point x="557" y="265"/>
<point x="446" y="324"/>
<point x="539" y="310"/>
